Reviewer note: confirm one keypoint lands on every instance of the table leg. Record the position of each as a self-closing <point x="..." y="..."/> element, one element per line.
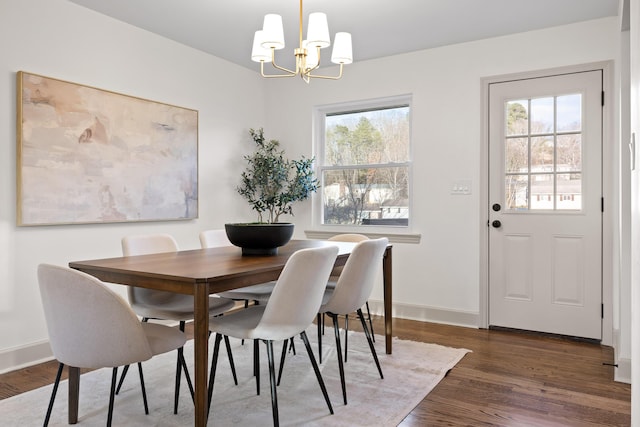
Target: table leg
<point x="200" y="356"/>
<point x="386" y="273"/>
<point x="74" y="393"/>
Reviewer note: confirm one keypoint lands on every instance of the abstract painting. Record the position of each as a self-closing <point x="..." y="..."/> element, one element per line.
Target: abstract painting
<point x="87" y="155"/>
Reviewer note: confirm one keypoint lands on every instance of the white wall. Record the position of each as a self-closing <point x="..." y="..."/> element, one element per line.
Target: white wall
<point x="59" y="39"/>
<point x="441" y="273"/>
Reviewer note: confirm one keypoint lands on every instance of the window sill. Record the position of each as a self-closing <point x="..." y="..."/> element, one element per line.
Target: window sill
<point x="393" y="237"/>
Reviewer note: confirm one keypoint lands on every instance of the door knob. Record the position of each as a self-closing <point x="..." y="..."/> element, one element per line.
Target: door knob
<point x="496" y="224"/>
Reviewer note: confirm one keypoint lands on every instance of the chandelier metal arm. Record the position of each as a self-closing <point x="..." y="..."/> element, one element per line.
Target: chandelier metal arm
<point x="269" y="76"/>
<point x="316" y="76"/>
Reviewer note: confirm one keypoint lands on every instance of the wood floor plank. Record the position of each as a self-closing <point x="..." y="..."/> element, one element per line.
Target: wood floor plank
<point x="509" y="379"/>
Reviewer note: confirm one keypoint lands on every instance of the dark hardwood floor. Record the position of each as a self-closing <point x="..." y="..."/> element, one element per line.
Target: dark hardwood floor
<point x="509" y="379"/>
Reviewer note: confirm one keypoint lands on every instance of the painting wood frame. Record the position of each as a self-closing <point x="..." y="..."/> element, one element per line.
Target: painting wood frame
<point x="88" y="155"/>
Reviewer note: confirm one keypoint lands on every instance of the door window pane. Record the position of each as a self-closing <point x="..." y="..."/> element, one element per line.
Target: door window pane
<point x="516" y="155"/>
<point x="517" y="117"/>
<point x="516" y="192"/>
<point x="569" y="152"/>
<point x="569" y="112"/>
<point x="569" y="191"/>
<point x="542" y="154"/>
<point x="542" y="191"/>
<point x="542" y="115"/>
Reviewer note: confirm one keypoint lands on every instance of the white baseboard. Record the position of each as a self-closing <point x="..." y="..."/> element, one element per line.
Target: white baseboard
<point x="21" y="357"/>
<point x="427" y="314"/>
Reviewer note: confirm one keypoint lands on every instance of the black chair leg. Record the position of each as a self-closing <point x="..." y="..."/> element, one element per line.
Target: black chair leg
<point x="371" y="347"/>
<point x="212" y="371"/>
<point x="336" y="328"/>
<point x="272" y="382"/>
<point x="53" y="394"/>
<point x="112" y="395"/>
<point x="373" y="336"/>
<point x="231" y="363"/>
<point x="346" y="336"/>
<point x="144" y="390"/>
<point x="256" y="365"/>
<point x="183" y="362"/>
<point x="176" y="395"/>
<point x="246" y="304"/>
<point x="320" y="319"/>
<point x="124" y="374"/>
<point x="303" y="335"/>
<point x="282" y="357"/>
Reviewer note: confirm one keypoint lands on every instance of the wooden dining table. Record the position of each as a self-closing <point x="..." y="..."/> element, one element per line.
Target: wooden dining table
<point x="202" y="272"/>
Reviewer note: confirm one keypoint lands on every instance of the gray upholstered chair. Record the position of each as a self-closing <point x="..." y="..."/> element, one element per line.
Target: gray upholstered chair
<point x="257" y="293"/>
<point x="294" y="302"/>
<point x="90" y="326"/>
<point x="333" y="279"/>
<point x="161" y="305"/>
<point x="353" y="288"/>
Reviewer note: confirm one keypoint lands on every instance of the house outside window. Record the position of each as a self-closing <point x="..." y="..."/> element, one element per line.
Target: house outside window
<point x="363" y="158"/>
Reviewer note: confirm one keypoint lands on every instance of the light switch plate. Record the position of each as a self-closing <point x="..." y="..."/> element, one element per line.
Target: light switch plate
<point x="461" y="188"/>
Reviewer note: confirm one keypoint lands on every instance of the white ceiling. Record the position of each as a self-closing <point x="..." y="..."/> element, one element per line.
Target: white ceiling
<point x="379" y="28"/>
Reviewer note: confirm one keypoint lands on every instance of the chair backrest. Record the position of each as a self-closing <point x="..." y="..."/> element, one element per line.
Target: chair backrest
<point x="298" y="293"/>
<point x="214" y="238"/>
<point x="357" y="279"/>
<point x="347" y="237"/>
<point x="145" y="244"/>
<point x="89" y="325"/>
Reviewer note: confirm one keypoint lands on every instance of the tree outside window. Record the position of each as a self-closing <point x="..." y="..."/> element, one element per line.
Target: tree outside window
<point x="365" y="166"/>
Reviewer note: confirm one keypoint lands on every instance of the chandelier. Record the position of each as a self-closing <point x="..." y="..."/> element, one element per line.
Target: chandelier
<point x="271" y="38"/>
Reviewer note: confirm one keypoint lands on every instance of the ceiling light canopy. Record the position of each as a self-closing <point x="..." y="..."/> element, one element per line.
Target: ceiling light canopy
<point x="271" y="38"/>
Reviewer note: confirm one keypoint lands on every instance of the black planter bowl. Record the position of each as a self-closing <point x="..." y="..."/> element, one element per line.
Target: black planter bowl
<point x="259" y="238"/>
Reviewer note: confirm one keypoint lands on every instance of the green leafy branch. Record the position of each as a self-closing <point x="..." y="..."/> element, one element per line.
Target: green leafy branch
<point x="271" y="183"/>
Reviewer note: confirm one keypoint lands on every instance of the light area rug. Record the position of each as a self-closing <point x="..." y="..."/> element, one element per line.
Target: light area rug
<point x="410" y="373"/>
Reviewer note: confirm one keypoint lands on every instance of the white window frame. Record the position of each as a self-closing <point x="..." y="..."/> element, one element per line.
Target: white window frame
<point x="319" y="114"/>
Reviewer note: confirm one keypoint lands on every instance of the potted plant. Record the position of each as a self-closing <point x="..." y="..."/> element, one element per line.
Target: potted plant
<point x="271" y="184"/>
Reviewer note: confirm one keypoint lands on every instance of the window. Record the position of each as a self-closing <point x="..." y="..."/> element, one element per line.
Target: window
<point x="543" y="153"/>
<point x="363" y="158"/>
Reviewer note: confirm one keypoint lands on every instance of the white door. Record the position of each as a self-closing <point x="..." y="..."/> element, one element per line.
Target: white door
<point x="545" y="204"/>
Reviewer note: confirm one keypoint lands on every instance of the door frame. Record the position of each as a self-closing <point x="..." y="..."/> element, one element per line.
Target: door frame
<point x="609" y="184"/>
